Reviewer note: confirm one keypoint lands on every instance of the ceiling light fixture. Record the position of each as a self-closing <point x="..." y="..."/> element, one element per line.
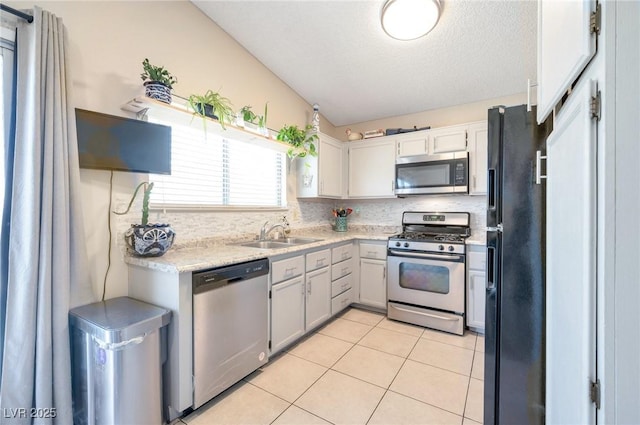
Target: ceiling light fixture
<point x="409" y="19"/>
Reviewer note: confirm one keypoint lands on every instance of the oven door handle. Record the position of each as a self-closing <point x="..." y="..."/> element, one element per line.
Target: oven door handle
<point x="433" y="316"/>
<point x="445" y="257"/>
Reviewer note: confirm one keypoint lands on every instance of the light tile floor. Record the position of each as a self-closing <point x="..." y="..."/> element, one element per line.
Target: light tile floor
<point x="360" y="368"/>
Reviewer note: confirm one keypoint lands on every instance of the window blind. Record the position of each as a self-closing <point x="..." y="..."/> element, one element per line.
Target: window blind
<point x="213" y="171"/>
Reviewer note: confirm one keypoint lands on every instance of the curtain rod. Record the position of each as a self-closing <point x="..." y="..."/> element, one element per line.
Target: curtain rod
<point x="22" y="15"/>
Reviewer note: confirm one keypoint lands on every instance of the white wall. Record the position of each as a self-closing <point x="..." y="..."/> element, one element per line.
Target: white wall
<point x="476" y="111"/>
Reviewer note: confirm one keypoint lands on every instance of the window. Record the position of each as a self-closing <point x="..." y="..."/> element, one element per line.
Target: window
<point x="215" y="171"/>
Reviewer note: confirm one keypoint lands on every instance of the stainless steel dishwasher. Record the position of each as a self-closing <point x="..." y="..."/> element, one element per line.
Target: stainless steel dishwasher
<point x="230" y="326"/>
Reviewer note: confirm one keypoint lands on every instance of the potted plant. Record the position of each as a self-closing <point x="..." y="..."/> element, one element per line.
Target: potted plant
<point x="259" y="122"/>
<point x="301" y="141"/>
<point x="158" y="82"/>
<point x="212" y="105"/>
<point x="144" y="239"/>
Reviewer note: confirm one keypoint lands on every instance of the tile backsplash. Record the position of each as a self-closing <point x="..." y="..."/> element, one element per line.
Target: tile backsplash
<point x="389" y="211"/>
<point x="194" y="225"/>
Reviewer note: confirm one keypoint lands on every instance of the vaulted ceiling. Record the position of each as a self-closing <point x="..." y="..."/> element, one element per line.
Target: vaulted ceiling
<point x="335" y="53"/>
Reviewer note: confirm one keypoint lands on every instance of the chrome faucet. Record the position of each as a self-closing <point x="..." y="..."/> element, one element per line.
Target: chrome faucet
<point x="264" y="232"/>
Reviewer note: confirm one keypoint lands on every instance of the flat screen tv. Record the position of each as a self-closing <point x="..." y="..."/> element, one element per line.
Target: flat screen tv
<point x="109" y="142"/>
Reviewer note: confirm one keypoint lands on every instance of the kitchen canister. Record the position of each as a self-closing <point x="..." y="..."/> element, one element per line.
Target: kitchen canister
<point x="341" y="224"/>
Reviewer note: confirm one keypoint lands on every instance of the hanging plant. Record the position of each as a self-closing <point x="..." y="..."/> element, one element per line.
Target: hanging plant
<point x="301" y="141"/>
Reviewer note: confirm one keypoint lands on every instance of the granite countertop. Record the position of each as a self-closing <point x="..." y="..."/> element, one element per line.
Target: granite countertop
<point x="216" y="253"/>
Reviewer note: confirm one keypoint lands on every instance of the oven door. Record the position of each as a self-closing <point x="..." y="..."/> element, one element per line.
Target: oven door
<point x="427" y="280"/>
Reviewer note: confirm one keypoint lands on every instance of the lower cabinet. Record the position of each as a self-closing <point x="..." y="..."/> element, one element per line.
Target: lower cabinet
<point x="318" y="285"/>
<point x="341" y="277"/>
<point x="373" y="274"/>
<point x="287" y="312"/>
<point x="476" y="276"/>
<point x="373" y="282"/>
<point x="300" y="296"/>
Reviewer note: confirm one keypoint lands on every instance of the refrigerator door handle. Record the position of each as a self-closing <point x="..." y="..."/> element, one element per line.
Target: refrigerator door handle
<point x="491" y="196"/>
<point x="491" y="267"/>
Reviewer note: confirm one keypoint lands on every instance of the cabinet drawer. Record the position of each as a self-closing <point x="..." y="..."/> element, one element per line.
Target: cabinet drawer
<point x="286" y="269"/>
<point x="341" y="302"/>
<point x="342" y="268"/>
<point x="375" y="251"/>
<point x="341" y="253"/>
<point x="318" y="259"/>
<point x="341" y="285"/>
<point x="477" y="259"/>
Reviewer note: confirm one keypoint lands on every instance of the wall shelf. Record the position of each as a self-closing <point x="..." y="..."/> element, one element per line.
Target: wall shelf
<point x="178" y="112"/>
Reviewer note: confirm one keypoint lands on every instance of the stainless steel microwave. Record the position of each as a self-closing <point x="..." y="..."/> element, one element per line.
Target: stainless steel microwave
<point x="432" y="174"/>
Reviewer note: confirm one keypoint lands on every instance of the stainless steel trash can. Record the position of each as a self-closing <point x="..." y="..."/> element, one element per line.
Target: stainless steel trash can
<point x="117" y="355"/>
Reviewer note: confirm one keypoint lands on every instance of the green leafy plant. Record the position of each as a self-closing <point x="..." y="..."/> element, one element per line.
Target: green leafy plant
<point x="145" y="202"/>
<point x="249" y="116"/>
<point x="219" y="105"/>
<point x="301" y="141"/>
<point x="157" y="74"/>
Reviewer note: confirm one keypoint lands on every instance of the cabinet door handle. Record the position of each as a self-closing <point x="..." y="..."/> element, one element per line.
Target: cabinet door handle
<point x="384" y="272"/>
<point x="539" y="175"/>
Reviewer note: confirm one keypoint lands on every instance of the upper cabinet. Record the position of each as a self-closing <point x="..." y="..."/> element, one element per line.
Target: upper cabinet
<point x="409" y="144"/>
<point x="372" y="169"/>
<point x="448" y="139"/>
<point x="567" y="33"/>
<point x="432" y="142"/>
<point x="322" y="176"/>
<point x="478" y="133"/>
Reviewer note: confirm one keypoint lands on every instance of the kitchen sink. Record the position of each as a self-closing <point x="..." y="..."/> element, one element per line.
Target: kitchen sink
<point x="278" y="243"/>
<point x="266" y="244"/>
<point x="297" y="241"/>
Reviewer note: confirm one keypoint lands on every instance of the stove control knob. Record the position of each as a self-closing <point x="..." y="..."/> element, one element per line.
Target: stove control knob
<point x="406" y="244"/>
<point x="451" y="248"/>
<point x="441" y="247"/>
<point x="398" y="243"/>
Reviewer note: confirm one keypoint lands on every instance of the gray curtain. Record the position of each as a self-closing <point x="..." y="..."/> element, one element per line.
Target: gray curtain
<point x="47" y="262"/>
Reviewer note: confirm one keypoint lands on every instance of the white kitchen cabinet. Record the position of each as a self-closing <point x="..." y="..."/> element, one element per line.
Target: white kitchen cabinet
<point x="341" y="277"/>
<point x="373" y="274"/>
<point x="287" y="312"/>
<point x="571" y="259"/>
<point x="373" y="283"/>
<point x="448" y="139"/>
<point x="432" y="142"/>
<point x="322" y="176"/>
<point x="566" y="44"/>
<point x="478" y="141"/>
<point x="476" y="276"/>
<point x="416" y="143"/>
<point x="372" y="169"/>
<point x="318" y="298"/>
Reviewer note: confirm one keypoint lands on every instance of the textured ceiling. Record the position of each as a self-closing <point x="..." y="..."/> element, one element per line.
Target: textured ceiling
<point x="335" y="53"/>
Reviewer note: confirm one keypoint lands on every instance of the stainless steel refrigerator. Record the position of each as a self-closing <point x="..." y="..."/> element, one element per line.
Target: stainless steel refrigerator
<point x="515" y="288"/>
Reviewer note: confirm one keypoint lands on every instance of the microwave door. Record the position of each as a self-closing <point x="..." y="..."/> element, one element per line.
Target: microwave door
<point x="426" y="175"/>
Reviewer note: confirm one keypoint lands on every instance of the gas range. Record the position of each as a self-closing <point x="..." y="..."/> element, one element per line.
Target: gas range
<point x="426" y="270"/>
<point x="432" y="232"/>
